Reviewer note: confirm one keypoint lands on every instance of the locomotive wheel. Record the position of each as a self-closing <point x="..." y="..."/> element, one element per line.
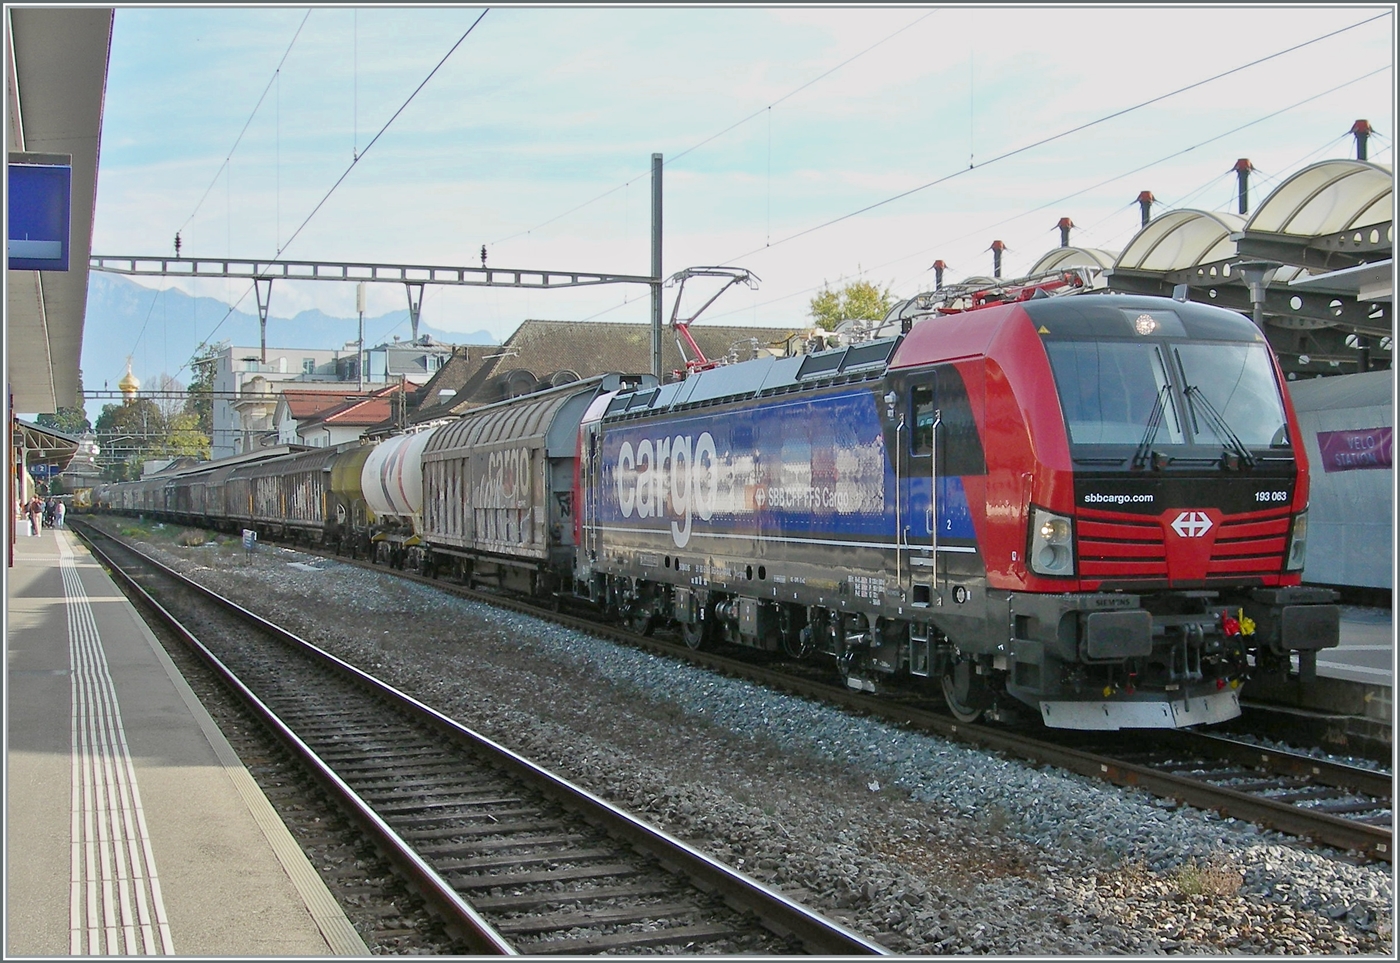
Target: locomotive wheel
<point x="694" y="634"/>
<point x="966" y="695"/>
<point x="640" y="620"/>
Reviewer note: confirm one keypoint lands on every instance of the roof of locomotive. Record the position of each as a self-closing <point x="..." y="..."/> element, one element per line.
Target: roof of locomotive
<point x="761" y="376"/>
<point x="938" y="338"/>
<point x="1075" y="317"/>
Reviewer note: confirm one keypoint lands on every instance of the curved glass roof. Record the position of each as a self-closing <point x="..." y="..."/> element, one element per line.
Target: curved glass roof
<point x="1179" y="240"/>
<point x="1326" y="198"/>
<point x="1072" y="257"/>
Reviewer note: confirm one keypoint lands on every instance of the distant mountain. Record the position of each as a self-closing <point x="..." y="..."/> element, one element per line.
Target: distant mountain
<point x="170" y="326"/>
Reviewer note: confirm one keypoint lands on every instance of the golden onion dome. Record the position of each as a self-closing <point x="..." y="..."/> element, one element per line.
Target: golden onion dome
<point x="130" y="384"/>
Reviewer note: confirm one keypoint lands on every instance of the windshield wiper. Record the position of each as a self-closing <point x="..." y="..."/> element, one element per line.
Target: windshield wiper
<point x="1221" y="427"/>
<point x="1154" y="421"/>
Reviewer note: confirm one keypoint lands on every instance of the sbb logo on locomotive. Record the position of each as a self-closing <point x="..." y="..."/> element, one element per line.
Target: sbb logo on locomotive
<point x="678" y="471"/>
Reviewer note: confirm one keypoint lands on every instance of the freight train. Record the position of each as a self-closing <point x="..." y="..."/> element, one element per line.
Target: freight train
<point x="1088" y="508"/>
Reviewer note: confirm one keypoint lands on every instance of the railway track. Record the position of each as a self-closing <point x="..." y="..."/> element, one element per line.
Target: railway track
<point x="1331" y="804"/>
<point x="513" y="859"/>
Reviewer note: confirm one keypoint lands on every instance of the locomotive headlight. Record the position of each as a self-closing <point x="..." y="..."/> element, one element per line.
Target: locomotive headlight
<point x="1297" y="544"/>
<point x="1052" y="544"/>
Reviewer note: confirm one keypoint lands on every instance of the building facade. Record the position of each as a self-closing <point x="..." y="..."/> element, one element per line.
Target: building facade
<point x="247" y="388"/>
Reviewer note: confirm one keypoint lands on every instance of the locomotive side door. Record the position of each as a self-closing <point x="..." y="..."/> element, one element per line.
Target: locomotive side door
<point x="918" y="450"/>
<point x="926" y="420"/>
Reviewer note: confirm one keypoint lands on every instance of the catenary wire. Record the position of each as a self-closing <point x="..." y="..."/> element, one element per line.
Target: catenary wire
<point x="925" y="251"/>
<point x="738" y="123"/>
<point x="247" y="123"/>
<point x="1053" y="137"/>
<point x="1259" y="120"/>
<point x="359" y="157"/>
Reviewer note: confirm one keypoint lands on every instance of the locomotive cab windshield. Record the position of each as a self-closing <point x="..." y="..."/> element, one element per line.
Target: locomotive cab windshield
<point x="1134" y="382"/>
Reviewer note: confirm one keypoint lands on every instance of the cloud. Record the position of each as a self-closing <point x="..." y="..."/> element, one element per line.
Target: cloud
<point x="543" y="110"/>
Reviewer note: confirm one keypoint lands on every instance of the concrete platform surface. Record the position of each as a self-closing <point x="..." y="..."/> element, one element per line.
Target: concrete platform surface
<point x="131" y="827"/>
<point x="1367" y="650"/>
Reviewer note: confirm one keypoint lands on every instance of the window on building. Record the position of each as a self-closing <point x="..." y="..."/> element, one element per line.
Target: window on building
<point x="308" y="365"/>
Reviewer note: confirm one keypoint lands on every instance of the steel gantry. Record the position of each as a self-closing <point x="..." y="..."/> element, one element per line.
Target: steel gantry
<point x="412" y="276"/>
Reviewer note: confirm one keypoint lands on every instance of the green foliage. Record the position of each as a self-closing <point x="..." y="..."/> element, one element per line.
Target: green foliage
<point x="186" y="438"/>
<point x="858" y="300"/>
<point x="70" y="421"/>
<point x="130" y="432"/>
<point x="119" y="471"/>
<point x="136" y="431"/>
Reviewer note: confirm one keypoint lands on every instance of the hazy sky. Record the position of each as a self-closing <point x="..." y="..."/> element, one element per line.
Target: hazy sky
<point x="535" y="138"/>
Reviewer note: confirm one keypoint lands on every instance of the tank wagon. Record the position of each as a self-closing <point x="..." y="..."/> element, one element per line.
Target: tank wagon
<point x="391" y="478"/>
<point x="1092" y="508"/>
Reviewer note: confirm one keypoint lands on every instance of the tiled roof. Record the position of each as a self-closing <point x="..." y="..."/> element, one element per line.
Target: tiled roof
<point x="308" y="404"/>
<point x="357" y="412"/>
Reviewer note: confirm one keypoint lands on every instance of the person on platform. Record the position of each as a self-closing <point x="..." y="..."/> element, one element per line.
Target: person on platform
<point x="58" y="512"/>
<point x="36" y="516"/>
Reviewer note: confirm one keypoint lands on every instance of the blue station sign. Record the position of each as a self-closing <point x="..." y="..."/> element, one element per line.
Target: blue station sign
<point x="40" y="189"/>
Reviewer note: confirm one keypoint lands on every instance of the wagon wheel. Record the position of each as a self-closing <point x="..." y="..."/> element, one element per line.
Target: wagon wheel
<point x="966" y="695"/>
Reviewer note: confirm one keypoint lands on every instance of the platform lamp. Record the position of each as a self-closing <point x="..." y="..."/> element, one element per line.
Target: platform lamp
<point x="1257" y="275"/>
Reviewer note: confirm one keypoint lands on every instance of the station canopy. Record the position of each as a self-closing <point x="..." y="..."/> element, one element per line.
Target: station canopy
<point x="1181" y="241"/>
<point x="1063" y="258"/>
<point x="1325" y="238"/>
<point x="1329" y="197"/>
<point x="45" y="446"/>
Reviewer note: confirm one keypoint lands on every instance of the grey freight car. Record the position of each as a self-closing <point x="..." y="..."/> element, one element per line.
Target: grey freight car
<point x="498" y="488"/>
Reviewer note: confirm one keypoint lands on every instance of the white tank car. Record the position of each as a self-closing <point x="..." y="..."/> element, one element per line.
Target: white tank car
<point x="392" y="482"/>
<point x="1346" y="423"/>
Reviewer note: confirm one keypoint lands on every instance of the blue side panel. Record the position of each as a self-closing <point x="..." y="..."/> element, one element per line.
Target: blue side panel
<point x="801" y="467"/>
<point x="954" y="513"/>
<point x="810" y="467"/>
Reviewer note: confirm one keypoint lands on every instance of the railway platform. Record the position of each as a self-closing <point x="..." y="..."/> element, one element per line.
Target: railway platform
<point x="131" y="825"/>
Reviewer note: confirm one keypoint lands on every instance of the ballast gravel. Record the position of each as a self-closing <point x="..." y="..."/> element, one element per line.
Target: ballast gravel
<point x="924" y="846"/>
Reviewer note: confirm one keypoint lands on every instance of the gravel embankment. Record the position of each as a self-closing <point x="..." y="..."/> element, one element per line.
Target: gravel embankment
<point x="922" y="845"/>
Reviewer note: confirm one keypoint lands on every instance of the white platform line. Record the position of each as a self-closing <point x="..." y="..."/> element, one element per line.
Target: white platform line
<point x="115" y="900"/>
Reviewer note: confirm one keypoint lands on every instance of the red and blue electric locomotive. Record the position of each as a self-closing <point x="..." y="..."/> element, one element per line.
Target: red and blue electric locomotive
<point x="1093" y="507"/>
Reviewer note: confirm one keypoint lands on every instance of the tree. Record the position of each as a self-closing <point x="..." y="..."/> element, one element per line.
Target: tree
<point x="859" y="300"/>
<point x="185" y="436"/>
<point x="166" y="386"/>
<point x="70" y="421"/>
<point x="132" y="431"/>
